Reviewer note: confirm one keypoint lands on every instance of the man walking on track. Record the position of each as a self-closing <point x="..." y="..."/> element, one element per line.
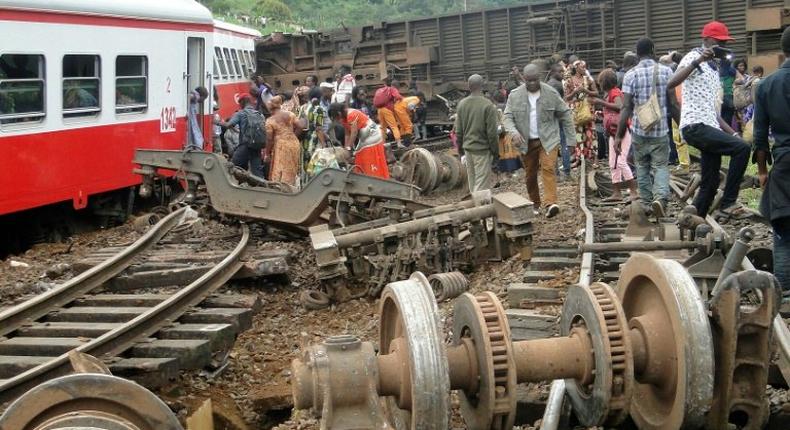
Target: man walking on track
<point x="535" y="113"/>
<point x="645" y="102"/>
<point x="476" y="124"/>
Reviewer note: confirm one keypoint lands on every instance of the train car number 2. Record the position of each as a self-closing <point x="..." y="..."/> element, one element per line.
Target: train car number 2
<point x="167" y="119"/>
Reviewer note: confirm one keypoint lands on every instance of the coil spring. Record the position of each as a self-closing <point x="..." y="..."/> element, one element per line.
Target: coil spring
<point x="448" y="285"/>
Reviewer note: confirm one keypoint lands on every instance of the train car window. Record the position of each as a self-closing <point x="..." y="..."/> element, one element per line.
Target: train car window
<point x="228" y="62"/>
<point x="81" y="85"/>
<point x="216" y="69"/>
<point x="131" y="83"/>
<point x="221" y="62"/>
<point x="253" y="63"/>
<point x="236" y="63"/>
<point x="21" y="88"/>
<point x="248" y="62"/>
<point x="244" y="64"/>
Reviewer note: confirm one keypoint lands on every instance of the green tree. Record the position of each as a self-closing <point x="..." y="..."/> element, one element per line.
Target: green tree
<point x="274" y="9"/>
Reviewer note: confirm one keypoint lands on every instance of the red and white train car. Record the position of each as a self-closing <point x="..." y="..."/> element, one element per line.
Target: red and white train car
<point x="83" y="83"/>
<point x="234" y="63"/>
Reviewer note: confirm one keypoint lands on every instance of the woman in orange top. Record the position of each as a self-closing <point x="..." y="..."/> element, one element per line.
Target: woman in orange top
<point x="363" y="138"/>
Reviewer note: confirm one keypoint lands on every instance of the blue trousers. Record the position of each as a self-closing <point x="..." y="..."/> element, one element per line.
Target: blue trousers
<point x="651" y="155"/>
<point x="247" y="158"/>
<point x="565" y="153"/>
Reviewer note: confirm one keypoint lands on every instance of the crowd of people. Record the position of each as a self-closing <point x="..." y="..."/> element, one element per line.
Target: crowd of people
<point x="289" y="136"/>
<point x="639" y="115"/>
<point x="650" y="109"/>
<point x="548" y="118"/>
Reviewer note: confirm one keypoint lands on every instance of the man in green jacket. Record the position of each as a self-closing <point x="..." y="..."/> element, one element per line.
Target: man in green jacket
<point x="476" y="124"/>
<point x="533" y="115"/>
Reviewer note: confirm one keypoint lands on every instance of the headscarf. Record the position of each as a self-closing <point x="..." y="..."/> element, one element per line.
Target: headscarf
<point x="275" y="103"/>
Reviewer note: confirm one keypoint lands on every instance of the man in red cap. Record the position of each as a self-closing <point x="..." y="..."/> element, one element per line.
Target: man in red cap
<point x="703" y="128"/>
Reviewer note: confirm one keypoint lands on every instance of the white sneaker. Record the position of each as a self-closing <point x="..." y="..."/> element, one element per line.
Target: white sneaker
<point x="552" y="211"/>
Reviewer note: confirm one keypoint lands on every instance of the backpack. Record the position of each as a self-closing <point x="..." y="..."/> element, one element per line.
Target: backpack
<point x="382" y="98"/>
<point x="253" y="132"/>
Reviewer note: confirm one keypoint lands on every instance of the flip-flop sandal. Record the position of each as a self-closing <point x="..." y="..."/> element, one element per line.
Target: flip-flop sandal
<point x="736" y="211"/>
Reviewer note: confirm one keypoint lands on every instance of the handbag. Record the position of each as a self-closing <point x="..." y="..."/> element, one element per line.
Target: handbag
<point x="509" y="155"/>
<point x="649" y="113"/>
<point x="582" y="114"/>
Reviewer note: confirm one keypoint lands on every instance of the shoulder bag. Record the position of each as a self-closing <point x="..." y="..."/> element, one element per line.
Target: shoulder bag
<point x="649" y="113"/>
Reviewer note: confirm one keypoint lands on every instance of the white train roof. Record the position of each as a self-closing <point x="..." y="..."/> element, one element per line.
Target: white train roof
<point x="158" y="10"/>
<point x="222" y="25"/>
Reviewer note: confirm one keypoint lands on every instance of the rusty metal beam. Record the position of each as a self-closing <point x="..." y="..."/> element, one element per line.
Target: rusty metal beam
<point x="302" y="208"/>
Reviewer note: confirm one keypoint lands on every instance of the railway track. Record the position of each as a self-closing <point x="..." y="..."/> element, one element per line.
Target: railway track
<point x="598" y="260"/>
<point x="145" y="335"/>
<point x="659" y="324"/>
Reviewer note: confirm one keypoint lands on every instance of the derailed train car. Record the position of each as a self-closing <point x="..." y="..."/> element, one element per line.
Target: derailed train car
<point x="438" y="53"/>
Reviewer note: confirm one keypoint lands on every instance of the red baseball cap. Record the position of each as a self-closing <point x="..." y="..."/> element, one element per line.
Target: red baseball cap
<point x="716" y="30"/>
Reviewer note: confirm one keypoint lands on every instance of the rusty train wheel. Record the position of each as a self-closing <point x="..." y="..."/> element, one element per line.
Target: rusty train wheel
<point x="409" y="312"/>
<point x="483" y="319"/>
<point x="606" y="399"/>
<point x="674" y="370"/>
<point x="90" y="401"/>
<point x="424" y="169"/>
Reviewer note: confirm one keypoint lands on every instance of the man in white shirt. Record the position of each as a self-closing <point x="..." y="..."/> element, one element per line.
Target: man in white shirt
<point x="703" y="128"/>
<point x="534" y="114"/>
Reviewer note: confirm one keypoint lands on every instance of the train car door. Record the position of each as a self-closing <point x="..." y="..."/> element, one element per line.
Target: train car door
<point x="196" y="72"/>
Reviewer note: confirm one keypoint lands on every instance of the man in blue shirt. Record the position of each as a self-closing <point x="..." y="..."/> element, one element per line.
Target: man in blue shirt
<point x="772" y="113"/>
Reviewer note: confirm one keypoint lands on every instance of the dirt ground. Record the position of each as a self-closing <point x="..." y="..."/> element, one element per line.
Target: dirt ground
<point x="253" y="391"/>
<point x="255" y="387"/>
<point x="45" y="265"/>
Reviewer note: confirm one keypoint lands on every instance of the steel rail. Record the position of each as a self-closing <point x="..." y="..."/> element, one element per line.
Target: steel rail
<point x="146" y="324"/>
<point x="552" y="415"/>
<point x="13" y="318"/>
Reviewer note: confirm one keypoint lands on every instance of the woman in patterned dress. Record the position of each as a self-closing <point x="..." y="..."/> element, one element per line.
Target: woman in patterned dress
<point x="282" y="145"/>
<point x="579" y="86"/>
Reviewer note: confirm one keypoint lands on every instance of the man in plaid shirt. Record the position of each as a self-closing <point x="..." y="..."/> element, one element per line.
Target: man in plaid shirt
<point x="651" y="147"/>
